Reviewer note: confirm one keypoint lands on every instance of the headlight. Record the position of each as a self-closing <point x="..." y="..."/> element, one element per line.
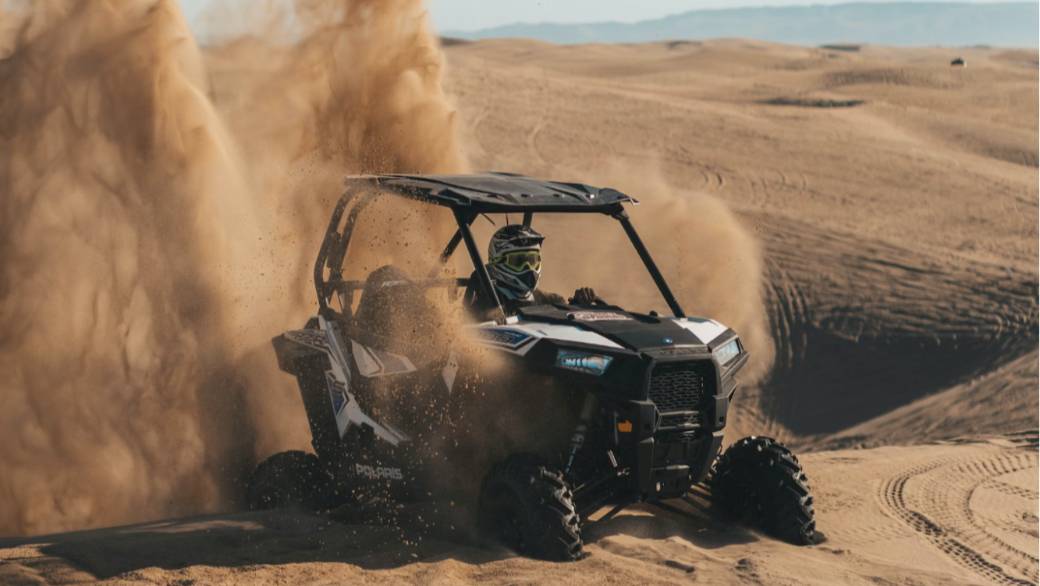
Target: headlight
<point x="595" y="364"/>
<point x="728" y="351"/>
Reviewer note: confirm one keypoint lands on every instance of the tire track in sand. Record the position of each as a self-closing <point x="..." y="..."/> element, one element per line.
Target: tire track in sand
<point x="934" y="499"/>
<point x="863" y="327"/>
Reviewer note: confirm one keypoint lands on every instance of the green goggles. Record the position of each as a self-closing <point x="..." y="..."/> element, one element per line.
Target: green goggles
<point x="520" y="260"/>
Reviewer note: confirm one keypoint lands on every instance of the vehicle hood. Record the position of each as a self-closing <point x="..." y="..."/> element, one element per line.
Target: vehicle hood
<point x="610" y="327"/>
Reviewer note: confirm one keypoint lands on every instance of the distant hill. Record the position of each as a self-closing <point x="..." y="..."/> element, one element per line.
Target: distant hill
<point x="1012" y="24"/>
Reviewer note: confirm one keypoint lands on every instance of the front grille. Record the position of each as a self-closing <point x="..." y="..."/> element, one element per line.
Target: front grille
<point x="670" y="351"/>
<point x="681" y="386"/>
<point x="680" y="419"/>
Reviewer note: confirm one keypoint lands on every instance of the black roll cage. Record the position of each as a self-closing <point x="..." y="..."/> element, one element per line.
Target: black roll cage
<point x="361" y="191"/>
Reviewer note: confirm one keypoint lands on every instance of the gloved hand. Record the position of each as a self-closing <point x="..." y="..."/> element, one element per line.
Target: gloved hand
<point x="585" y="296"/>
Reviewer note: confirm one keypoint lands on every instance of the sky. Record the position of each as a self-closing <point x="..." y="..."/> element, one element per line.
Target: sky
<point x="463" y="15"/>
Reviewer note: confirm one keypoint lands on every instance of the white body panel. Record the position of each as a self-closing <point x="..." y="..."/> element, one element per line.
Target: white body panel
<point x="524" y="335"/>
<point x="705" y="329"/>
<point x="567" y="334"/>
<point x="349" y="413"/>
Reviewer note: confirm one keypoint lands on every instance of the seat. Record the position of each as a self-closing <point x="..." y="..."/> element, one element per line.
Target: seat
<point x="396" y="316"/>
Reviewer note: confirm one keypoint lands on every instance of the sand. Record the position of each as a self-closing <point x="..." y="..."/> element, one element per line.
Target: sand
<point x="961" y="513"/>
<point x="895" y="199"/>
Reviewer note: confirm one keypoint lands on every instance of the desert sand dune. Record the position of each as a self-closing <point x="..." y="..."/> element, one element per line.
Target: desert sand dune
<point x="895" y="200"/>
<point x="899" y="233"/>
<point x="970" y="408"/>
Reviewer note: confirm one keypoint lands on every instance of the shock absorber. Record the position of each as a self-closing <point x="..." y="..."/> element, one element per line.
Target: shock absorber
<point x="578" y="439"/>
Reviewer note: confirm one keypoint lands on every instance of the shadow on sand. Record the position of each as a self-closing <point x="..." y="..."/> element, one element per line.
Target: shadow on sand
<point x="674" y="518"/>
<point x="418" y="533"/>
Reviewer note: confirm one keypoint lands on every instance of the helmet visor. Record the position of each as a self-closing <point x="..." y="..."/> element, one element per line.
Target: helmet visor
<point x="521" y="260"/>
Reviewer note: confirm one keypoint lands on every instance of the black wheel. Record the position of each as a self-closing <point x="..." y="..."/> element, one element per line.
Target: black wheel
<point x="760" y="481"/>
<point x="529" y="507"/>
<point x="287" y="480"/>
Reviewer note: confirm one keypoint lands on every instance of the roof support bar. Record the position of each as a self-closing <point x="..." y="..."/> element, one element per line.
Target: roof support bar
<point x="450" y="248"/>
<point x="336" y="256"/>
<point x="644" y="254"/>
<point x="329" y="244"/>
<point x="454" y="242"/>
<point x="464" y="221"/>
<point x="337" y="239"/>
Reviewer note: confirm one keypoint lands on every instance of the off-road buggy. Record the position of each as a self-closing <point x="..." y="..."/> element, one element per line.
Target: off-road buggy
<point x="646" y="396"/>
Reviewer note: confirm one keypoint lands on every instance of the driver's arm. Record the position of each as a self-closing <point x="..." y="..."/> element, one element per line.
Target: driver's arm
<point x="543" y="298"/>
<point x="583" y="296"/>
<point x="586" y="296"/>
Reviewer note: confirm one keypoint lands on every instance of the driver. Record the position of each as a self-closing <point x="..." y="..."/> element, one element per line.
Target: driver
<point x="515" y="263"/>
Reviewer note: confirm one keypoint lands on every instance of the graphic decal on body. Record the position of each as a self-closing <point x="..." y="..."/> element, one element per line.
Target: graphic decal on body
<point x="349" y="414"/>
<point x="337" y="392"/>
<point x="311" y="338"/>
<point x="506" y="337"/>
<point x="367" y="364"/>
<point x="372" y="363"/>
<point x="598" y="316"/>
<point x="378" y="472"/>
<point x="519" y="337"/>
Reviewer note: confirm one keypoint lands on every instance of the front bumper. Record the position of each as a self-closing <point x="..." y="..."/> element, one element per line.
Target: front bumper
<point x="665" y="461"/>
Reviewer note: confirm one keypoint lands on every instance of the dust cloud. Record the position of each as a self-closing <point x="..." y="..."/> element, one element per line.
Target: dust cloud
<point x="160" y="211"/>
<point x="354" y="89"/>
<point x="161" y="208"/>
<point x="713" y="264"/>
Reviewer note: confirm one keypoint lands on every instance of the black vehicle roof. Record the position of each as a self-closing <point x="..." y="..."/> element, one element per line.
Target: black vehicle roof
<point x="499" y="192"/>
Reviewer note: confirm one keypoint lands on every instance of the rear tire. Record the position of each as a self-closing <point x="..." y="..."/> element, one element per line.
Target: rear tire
<point x="529" y="507"/>
<point x="288" y="480"/>
<point x="760" y="481"/>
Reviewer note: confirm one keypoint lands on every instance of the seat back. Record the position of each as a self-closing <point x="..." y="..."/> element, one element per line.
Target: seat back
<point x="395" y="315"/>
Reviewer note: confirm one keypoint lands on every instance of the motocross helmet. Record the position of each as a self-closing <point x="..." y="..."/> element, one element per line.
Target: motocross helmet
<point x="515" y="261"/>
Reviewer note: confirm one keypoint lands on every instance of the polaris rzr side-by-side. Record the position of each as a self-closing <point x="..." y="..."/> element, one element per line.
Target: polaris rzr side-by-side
<point x="638" y="401"/>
